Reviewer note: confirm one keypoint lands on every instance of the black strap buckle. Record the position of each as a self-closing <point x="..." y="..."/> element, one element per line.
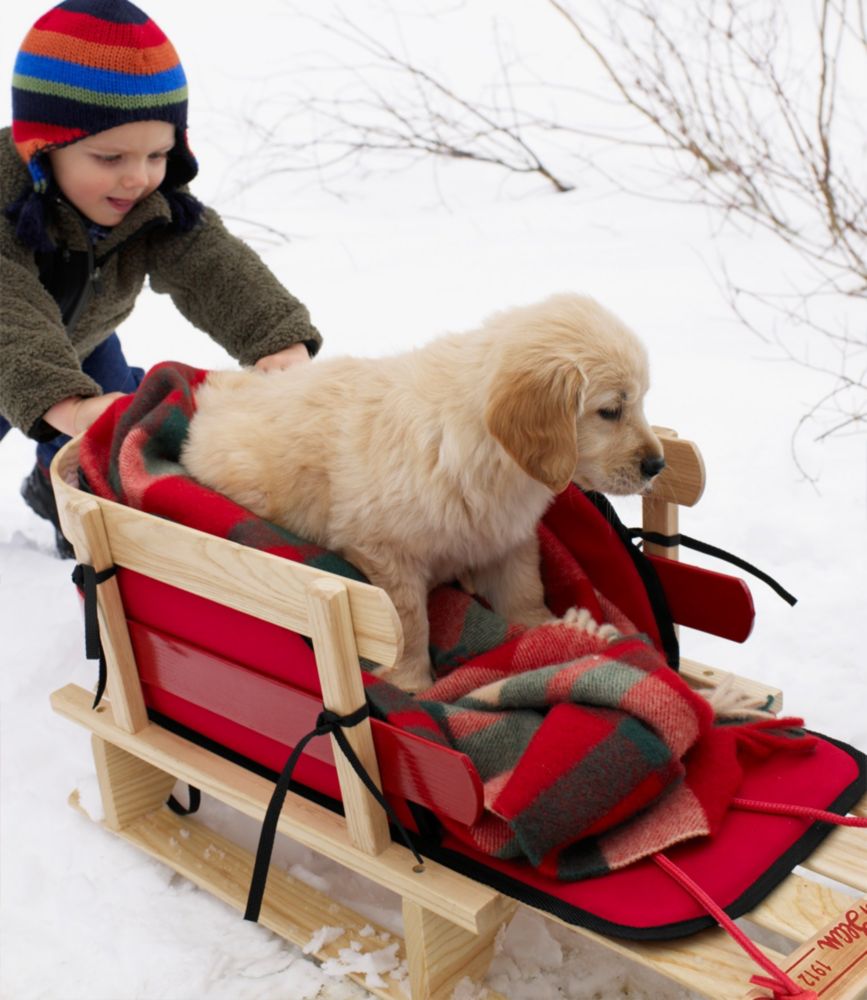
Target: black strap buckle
<point x="87" y="580"/>
<point x="327" y="722"/>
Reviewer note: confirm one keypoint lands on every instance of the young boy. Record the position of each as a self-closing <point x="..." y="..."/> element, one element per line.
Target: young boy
<point x="93" y="177"/>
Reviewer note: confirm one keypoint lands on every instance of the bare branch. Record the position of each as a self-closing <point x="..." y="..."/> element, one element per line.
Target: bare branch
<point x="732" y="105"/>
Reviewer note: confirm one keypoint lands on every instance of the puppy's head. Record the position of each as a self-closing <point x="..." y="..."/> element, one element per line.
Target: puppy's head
<point x="566" y="396"/>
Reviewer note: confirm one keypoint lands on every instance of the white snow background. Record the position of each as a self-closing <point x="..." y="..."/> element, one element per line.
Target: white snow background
<point x="384" y="263"/>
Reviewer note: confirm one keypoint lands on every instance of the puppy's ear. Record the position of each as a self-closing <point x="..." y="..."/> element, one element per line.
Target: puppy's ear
<point x="532" y="412"/>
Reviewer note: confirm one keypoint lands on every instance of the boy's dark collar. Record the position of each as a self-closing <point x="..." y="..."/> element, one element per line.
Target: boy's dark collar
<point x="73" y="229"/>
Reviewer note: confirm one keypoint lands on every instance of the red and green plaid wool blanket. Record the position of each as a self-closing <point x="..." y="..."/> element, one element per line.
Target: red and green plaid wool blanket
<point x="592" y="751"/>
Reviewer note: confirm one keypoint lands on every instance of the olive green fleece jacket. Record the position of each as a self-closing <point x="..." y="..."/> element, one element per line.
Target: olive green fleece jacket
<point x="216" y="281"/>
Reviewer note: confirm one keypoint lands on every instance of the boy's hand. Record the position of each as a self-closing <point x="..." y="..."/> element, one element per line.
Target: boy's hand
<point x="73" y="415"/>
<point x="297" y="354"/>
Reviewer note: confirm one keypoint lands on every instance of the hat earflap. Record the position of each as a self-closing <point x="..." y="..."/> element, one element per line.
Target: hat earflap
<point x="27" y="215"/>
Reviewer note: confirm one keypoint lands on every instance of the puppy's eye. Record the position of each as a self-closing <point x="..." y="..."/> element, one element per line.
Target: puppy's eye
<point x="612" y="413"/>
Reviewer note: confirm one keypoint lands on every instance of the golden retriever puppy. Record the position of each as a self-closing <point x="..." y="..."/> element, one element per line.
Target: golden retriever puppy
<point x="437" y="464"/>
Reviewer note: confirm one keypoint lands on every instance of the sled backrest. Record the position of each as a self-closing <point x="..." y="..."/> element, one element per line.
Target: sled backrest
<point x="344" y="618"/>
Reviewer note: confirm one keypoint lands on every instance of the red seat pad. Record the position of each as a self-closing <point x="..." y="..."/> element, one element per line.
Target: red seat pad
<point x="749" y="855"/>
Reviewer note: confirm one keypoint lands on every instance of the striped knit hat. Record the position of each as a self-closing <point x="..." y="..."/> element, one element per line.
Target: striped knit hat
<point x="91" y="65"/>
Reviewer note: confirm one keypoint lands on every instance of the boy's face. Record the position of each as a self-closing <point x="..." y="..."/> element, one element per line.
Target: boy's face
<point x="106" y="174"/>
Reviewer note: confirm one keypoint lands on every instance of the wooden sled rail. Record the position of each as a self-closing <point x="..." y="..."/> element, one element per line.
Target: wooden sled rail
<point x="450" y="920"/>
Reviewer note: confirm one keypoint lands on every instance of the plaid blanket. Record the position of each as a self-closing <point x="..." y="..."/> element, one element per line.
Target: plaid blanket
<point x="592" y="751"/>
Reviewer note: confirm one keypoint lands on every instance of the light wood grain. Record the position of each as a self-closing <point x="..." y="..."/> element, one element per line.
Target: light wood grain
<point x="440" y="954"/>
<point x="842" y="856"/>
<point x="683" y="480"/>
<point x="799" y="907"/>
<point x="128" y="786"/>
<point x="680" y="484"/>
<point x="833" y="962"/>
<point x="93" y="549"/>
<point x="709" y="963"/>
<point x="699" y="675"/>
<point x="661" y="517"/>
<point x="450" y="920"/>
<point x="343" y="693"/>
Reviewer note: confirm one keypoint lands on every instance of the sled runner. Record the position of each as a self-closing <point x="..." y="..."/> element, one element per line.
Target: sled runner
<point x="211" y="682"/>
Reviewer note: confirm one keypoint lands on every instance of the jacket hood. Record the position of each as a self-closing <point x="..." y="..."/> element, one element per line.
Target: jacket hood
<point x="33" y="214"/>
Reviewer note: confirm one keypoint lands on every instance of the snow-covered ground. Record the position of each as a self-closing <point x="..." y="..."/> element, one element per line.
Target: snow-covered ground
<point x="83" y="915"/>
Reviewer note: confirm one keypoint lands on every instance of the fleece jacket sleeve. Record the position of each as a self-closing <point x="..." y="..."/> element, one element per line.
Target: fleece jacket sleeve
<point x="40" y="366"/>
<point x="224" y="288"/>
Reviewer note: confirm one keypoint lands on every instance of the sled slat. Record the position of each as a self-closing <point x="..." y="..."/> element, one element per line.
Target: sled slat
<point x="92" y="547"/>
<point x="709" y="963"/>
<point x="129" y="788"/>
<point x="842" y="856"/>
<point x="799" y="907"/>
<point x="699" y="675"/>
<point x="661" y="518"/>
<point x="444" y="954"/>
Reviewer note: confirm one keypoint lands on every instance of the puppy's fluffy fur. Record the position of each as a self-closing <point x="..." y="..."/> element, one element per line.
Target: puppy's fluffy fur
<point x="437" y="464"/>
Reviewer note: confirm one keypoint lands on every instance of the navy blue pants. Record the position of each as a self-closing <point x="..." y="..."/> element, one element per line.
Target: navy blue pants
<point x="108" y="367"/>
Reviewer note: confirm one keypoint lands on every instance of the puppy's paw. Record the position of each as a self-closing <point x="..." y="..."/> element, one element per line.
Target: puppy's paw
<point x="583" y="620"/>
<point x="409" y="675"/>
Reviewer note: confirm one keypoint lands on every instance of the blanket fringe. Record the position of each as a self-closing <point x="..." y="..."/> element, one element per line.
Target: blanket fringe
<point x="728" y="701"/>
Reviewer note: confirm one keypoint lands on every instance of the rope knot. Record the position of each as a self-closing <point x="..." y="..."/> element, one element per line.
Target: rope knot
<point x="783" y="988"/>
<point x="328" y="721"/>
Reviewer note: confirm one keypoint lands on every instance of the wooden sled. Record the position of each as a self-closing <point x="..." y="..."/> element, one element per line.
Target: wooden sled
<point x="450" y="920"/>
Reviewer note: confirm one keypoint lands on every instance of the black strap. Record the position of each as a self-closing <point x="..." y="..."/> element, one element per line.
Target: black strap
<point x="195" y="800"/>
<point x="669" y="541"/>
<point x="87" y="579"/>
<point x="648" y="576"/>
<point x="327" y="722"/>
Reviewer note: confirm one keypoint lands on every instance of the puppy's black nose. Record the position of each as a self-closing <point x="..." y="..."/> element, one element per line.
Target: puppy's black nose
<point x="652" y="465"/>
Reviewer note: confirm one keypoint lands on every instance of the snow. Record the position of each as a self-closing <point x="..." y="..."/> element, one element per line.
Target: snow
<point x="386" y="265"/>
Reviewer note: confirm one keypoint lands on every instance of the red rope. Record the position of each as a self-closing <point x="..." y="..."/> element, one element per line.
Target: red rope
<point x="781" y="985"/>
<point x="803" y="812"/>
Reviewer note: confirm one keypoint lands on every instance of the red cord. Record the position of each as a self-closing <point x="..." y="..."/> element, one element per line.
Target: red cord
<point x="804" y="812"/>
<point x="782" y="986"/>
